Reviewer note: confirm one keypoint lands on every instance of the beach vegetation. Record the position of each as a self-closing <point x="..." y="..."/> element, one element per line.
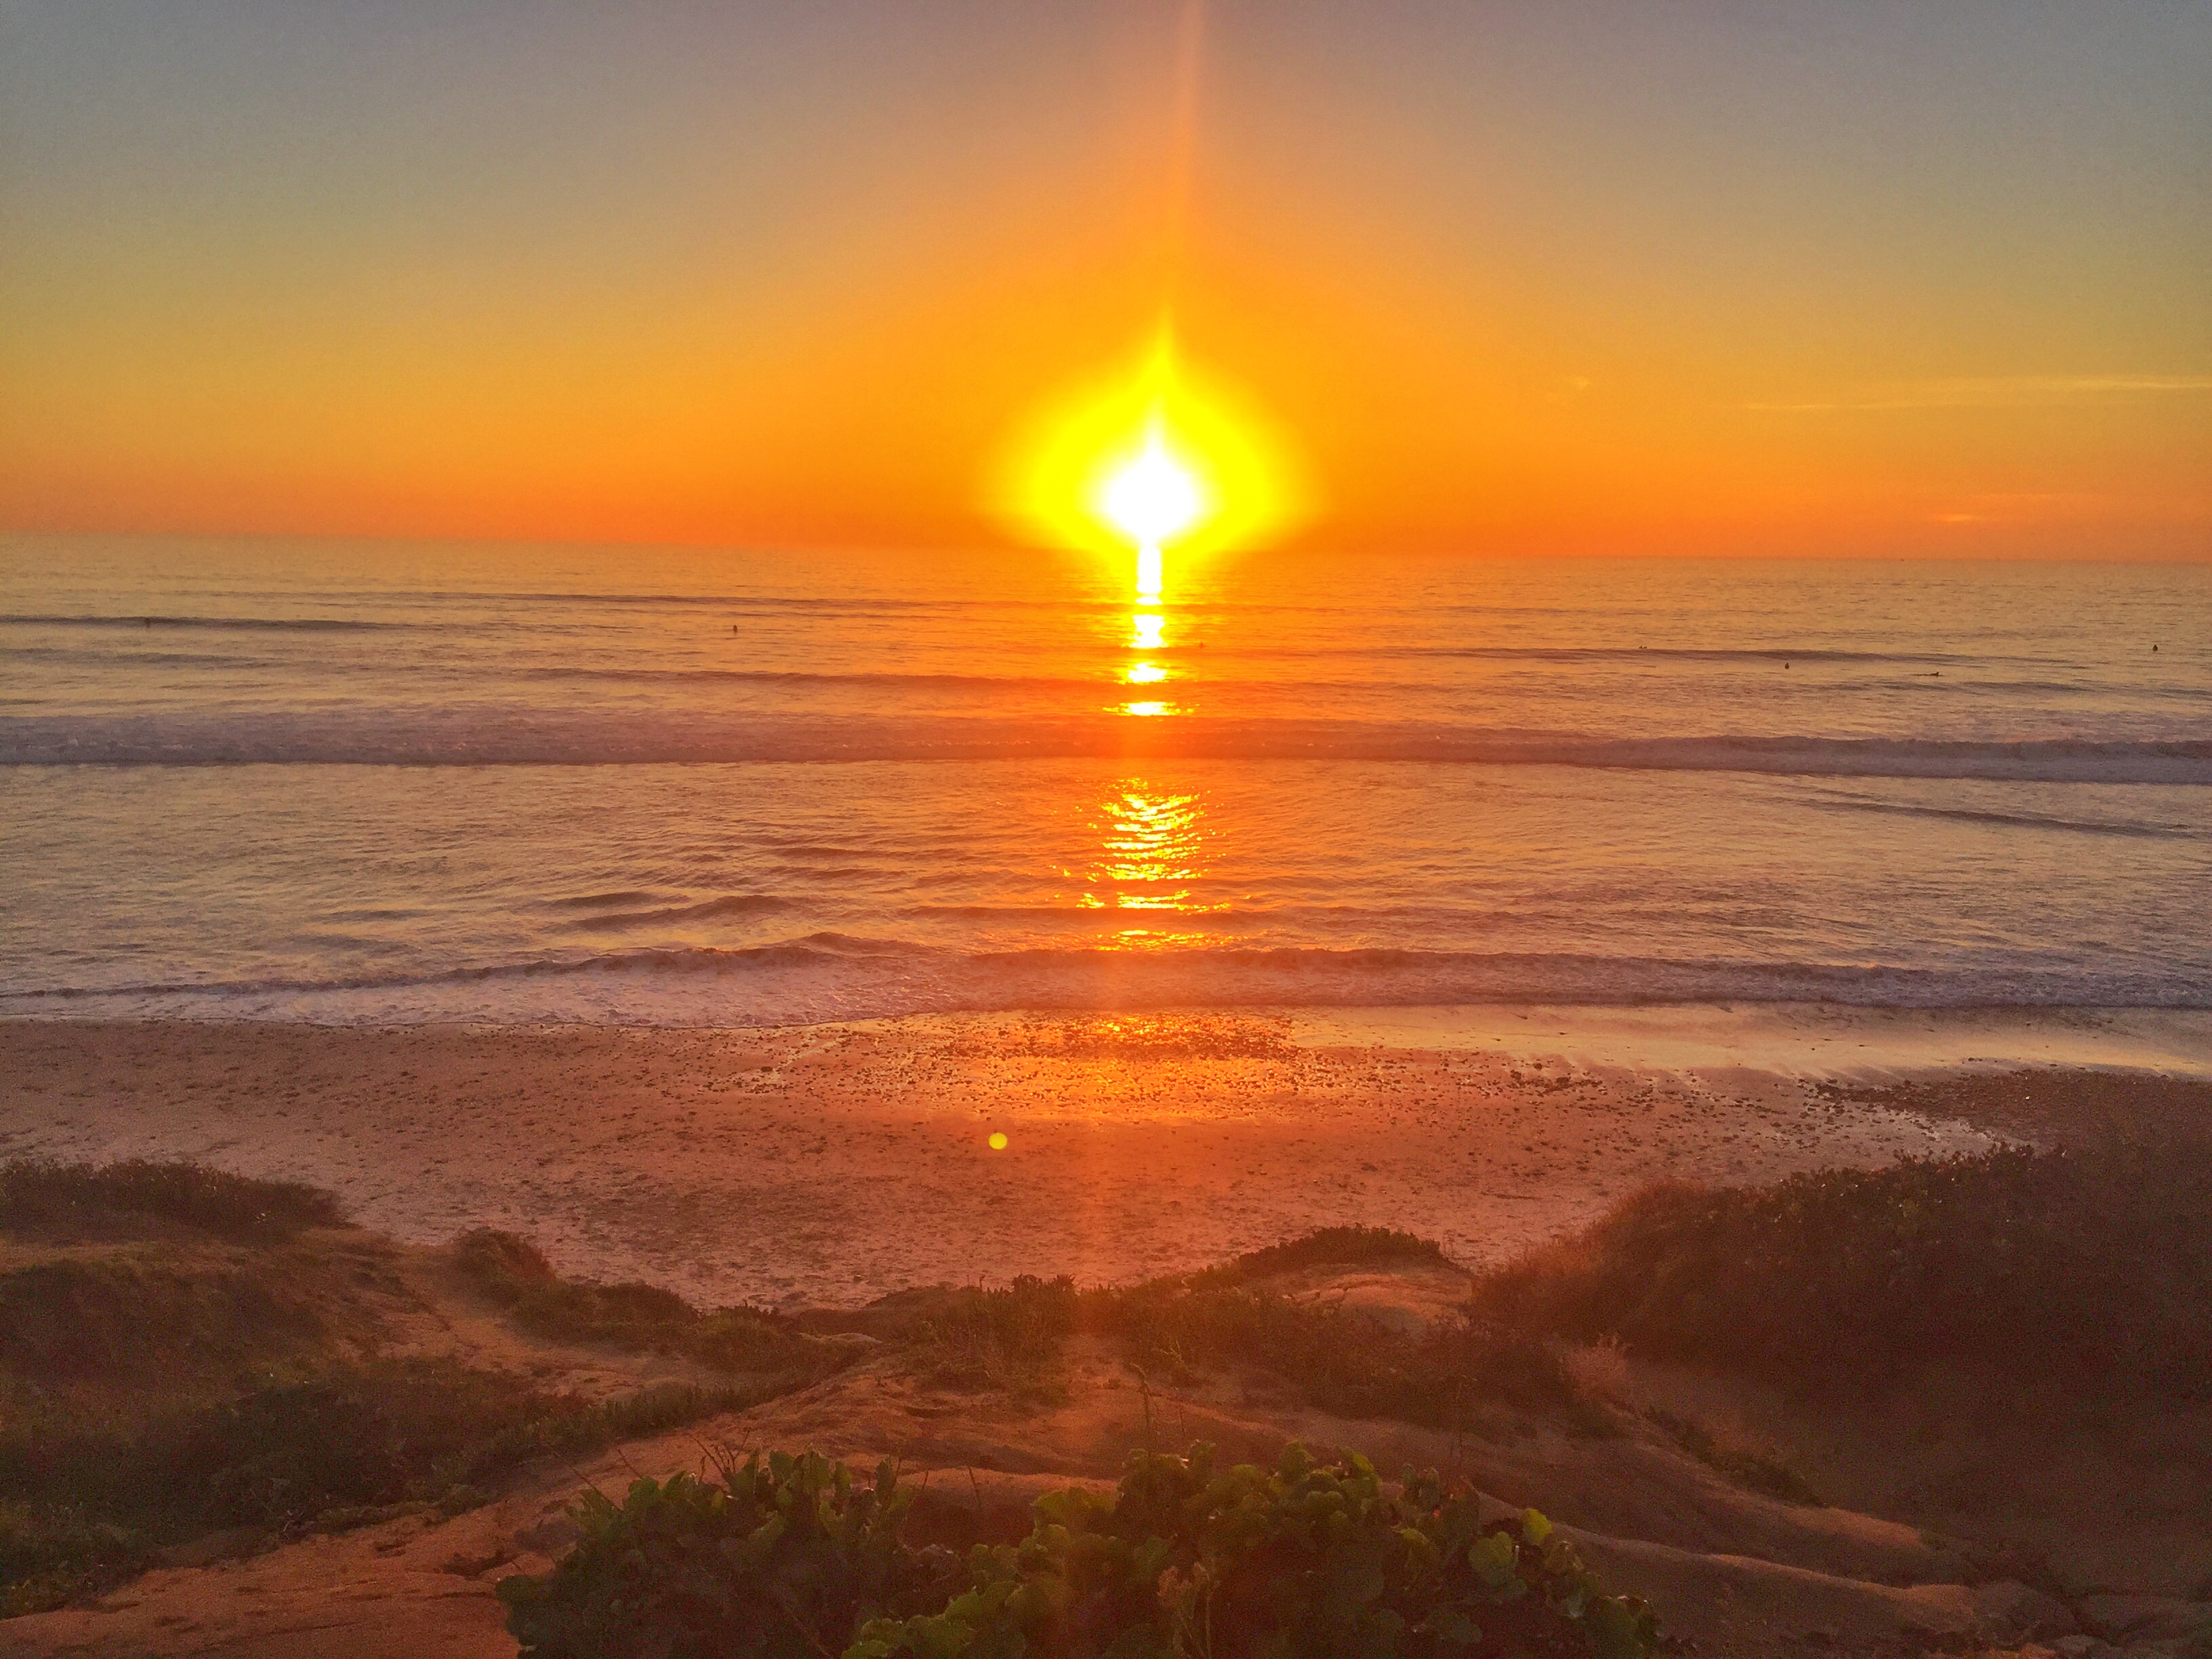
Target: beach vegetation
<point x="1451" y="1372"/>
<point x="780" y="1556"/>
<point x="1457" y="1372"/>
<point x="120" y="1318"/>
<point x="348" y="1447"/>
<point x="789" y="1557"/>
<point x="2092" y="1266"/>
<point x="1010" y="1338"/>
<point x="183" y="1355"/>
<point x="641" y="1318"/>
<point x="1327" y="1247"/>
<point x="45" y="1195"/>
<point x="1750" y="1467"/>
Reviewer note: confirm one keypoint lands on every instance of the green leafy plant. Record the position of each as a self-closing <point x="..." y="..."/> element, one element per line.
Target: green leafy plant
<point x="783" y="1557"/>
<point x="788" y="1558"/>
<point x="1189" y="1561"/>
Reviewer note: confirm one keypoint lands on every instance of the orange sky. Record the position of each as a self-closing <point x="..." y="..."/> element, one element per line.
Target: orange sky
<point x="1818" y="279"/>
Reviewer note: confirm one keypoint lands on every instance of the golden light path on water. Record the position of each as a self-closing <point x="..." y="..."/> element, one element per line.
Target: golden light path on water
<point x="1152" y="841"/>
<point x="1151" y="848"/>
<point x="1177" y="471"/>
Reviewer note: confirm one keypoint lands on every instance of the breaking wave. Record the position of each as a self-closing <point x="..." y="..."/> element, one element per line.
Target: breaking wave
<point x="506" y="736"/>
<point x="826" y="977"/>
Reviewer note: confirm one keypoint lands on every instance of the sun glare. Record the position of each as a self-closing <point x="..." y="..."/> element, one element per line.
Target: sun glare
<point x="1150" y="573"/>
<point x="1155" y="453"/>
<point x="1154" y="498"/>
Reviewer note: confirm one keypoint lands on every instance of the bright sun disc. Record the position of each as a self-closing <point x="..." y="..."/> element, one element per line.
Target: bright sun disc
<point x="1154" y="498"/>
<point x="1149" y="453"/>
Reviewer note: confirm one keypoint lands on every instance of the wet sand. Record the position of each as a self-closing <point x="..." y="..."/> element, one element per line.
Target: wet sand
<point x="829" y="1165"/>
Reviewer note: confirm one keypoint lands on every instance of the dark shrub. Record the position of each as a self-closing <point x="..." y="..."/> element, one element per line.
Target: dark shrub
<point x="504" y="1266"/>
<point x="2092" y="1266"/>
<point x="1327" y="1247"/>
<point x="379" y="1435"/>
<point x="1344" y="1360"/>
<point x="642" y="1318"/>
<point x="1009" y="1338"/>
<point x="783" y="1557"/>
<point x="1341" y="1359"/>
<point x="351" y="1446"/>
<point x="38" y="1193"/>
<point x="126" y="1320"/>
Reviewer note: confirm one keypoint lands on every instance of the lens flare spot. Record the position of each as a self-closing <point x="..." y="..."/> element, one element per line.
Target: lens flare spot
<point x="998" y="1140"/>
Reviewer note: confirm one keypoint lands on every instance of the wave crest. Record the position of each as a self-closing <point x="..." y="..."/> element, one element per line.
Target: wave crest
<point x="826" y="977"/>
<point x="501" y="736"/>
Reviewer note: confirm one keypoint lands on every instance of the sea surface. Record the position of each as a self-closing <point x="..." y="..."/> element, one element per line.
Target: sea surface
<point x="377" y="781"/>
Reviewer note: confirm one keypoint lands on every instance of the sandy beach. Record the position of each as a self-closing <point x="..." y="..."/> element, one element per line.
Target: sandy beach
<point x="827" y="1165"/>
<point x="830" y="1164"/>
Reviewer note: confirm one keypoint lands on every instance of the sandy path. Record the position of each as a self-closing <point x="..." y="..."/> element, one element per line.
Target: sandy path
<point x="833" y="1163"/>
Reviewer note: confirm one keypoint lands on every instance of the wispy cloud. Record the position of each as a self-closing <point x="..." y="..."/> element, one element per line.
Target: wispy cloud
<point x="2008" y="391"/>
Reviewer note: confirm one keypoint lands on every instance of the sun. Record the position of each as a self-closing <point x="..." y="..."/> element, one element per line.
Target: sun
<point x="1151" y="451"/>
<point x="1153" y="497"/>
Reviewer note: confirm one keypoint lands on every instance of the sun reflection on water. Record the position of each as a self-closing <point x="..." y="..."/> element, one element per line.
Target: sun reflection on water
<point x="1149" y="575"/>
<point x="1151" y="847"/>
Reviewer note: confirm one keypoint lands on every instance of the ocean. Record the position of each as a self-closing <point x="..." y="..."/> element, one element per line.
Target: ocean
<point x="364" y="781"/>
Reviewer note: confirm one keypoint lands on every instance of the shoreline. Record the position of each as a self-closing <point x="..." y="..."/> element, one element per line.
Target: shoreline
<point x="829" y="1164"/>
<point x="1810" y="1041"/>
<point x="1823" y="1041"/>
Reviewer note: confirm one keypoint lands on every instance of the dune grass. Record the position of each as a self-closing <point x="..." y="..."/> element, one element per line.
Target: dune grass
<point x="1459" y="1373"/>
<point x="1325" y="1246"/>
<point x="40" y="1193"/>
<point x="1010" y="1339"/>
<point x="2092" y="1266"/>
<point x="181" y="1355"/>
<point x="146" y="1277"/>
<point x="123" y="1318"/>
<point x="640" y="1318"/>
<point x="349" y="1446"/>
